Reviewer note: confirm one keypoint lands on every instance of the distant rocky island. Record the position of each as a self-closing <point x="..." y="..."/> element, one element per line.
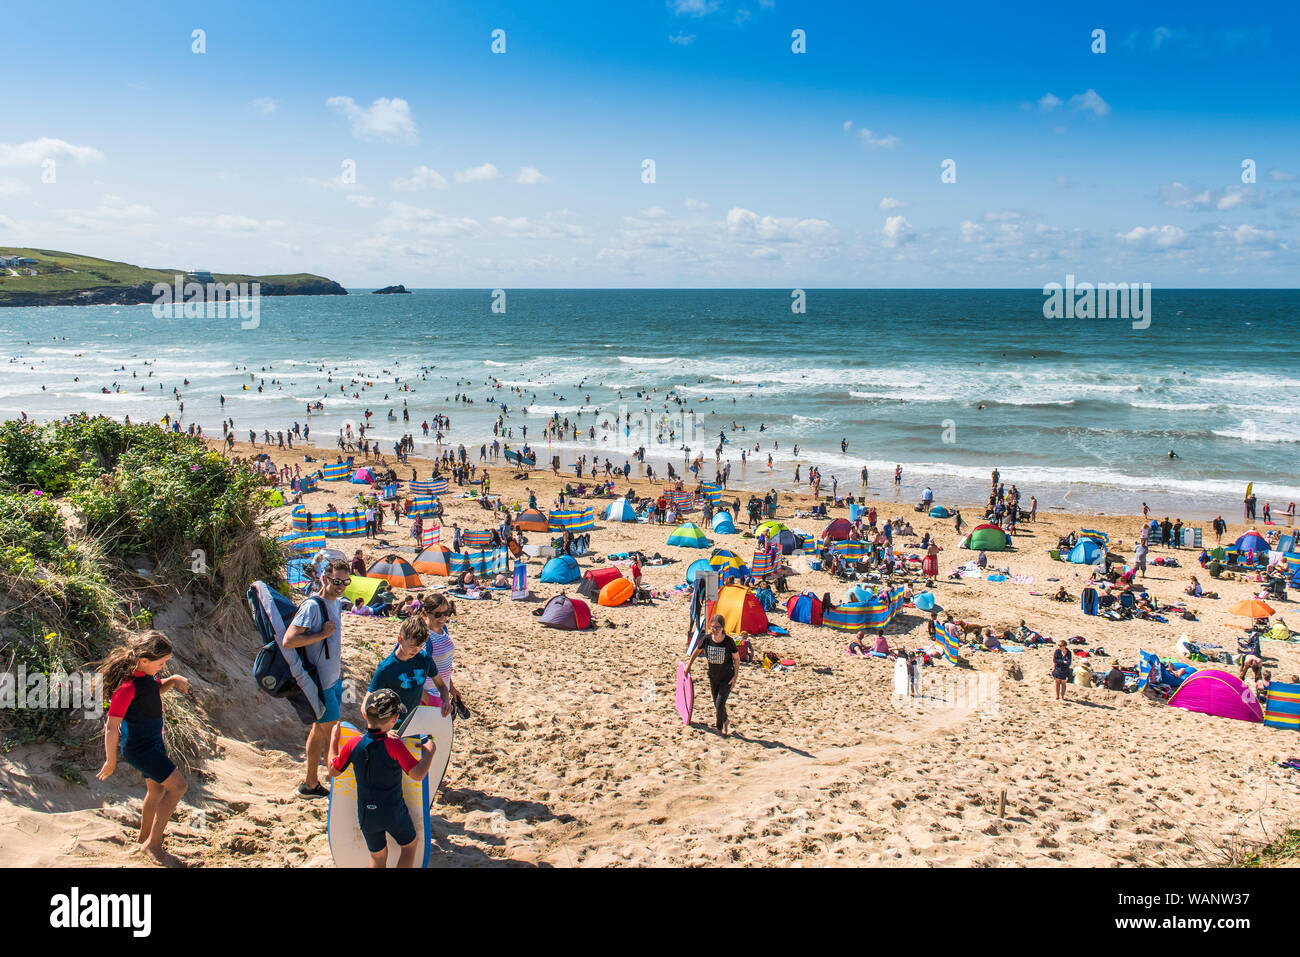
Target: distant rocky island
<point x="47" y="277"/>
<point x="391" y="290"/>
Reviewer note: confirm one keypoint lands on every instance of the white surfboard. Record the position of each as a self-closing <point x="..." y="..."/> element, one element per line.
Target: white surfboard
<point x="901" y="688"/>
<point x="427" y="719"/>
<point x="347" y="846"/>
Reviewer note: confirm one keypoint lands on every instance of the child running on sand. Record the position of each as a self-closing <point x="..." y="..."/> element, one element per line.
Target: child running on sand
<point x="380" y="758"/>
<point x="135" y="722"/>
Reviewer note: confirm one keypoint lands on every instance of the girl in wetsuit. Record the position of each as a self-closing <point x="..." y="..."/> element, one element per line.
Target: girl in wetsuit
<point x="135" y="724"/>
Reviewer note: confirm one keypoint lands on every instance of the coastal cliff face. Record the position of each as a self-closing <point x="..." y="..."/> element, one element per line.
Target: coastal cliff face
<point x="143" y="294"/>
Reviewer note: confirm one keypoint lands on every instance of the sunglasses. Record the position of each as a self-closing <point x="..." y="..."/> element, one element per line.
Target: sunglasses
<point x="439" y="614"/>
<point x="337" y="581"/>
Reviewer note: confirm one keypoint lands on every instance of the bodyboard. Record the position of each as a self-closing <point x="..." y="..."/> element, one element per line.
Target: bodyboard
<point x="685" y="694"/>
<point x="347" y="846"/>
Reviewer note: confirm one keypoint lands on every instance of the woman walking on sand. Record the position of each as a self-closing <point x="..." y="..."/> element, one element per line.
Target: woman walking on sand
<point x="1061" y="661"/>
<point x="724" y="667"/>
<point x="135" y="724"/>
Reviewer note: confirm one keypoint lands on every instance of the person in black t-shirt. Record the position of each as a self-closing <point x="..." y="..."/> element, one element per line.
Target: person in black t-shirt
<point x="724" y="667"/>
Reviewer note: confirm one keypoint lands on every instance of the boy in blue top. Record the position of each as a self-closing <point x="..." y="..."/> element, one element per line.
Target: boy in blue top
<point x="404" y="671"/>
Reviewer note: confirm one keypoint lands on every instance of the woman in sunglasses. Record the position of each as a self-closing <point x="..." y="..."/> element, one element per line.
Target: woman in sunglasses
<point x="435" y="612"/>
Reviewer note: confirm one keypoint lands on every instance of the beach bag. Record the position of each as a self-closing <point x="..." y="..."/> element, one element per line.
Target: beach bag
<point x="746" y="651"/>
<point x="274" y="672"/>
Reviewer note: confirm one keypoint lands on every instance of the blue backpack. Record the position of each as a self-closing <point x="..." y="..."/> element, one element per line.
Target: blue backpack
<point x="272" y="670"/>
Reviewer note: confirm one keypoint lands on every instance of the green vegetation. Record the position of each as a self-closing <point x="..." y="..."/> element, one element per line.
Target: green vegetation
<point x="70" y="278"/>
<point x="82" y="504"/>
<point x="1284" y="851"/>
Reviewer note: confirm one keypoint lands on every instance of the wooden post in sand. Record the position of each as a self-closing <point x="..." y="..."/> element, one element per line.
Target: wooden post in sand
<point x="1002" y="804"/>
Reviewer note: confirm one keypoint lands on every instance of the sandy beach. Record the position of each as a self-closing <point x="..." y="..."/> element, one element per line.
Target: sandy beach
<point x="575" y="756"/>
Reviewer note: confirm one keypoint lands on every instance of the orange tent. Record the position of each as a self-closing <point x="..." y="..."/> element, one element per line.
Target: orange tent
<point x="398" y="572"/>
<point x="742" y="610"/>
<point x="532" y="520"/>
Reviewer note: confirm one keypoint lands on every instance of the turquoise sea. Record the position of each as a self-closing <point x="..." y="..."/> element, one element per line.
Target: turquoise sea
<point x="949" y="383"/>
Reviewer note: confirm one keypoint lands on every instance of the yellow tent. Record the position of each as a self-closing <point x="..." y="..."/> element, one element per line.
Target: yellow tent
<point x="362" y="588"/>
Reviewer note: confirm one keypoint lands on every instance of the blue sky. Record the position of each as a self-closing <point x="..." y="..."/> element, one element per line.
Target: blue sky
<point x="772" y="168"/>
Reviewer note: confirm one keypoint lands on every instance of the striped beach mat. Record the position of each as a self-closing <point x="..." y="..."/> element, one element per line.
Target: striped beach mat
<point x="476" y="539"/>
<point x="351" y="523"/>
<point x="763" y="563"/>
<point x="491" y="561"/>
<point x="303" y="541"/>
<point x="423" y="505"/>
<point x="432" y="487"/>
<point x="950" y="638"/>
<point x="849" y="551"/>
<point x="572" y="520"/>
<point x="678" y="497"/>
<point x="1282" y="706"/>
<point x="337" y="472"/>
<point x="304" y="520"/>
<point x="429" y="536"/>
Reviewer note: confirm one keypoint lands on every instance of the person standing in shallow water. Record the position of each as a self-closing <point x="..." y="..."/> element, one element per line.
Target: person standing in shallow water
<point x="724" y="667"/>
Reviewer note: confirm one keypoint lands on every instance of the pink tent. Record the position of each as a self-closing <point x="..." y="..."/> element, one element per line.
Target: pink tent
<point x="1218" y="693"/>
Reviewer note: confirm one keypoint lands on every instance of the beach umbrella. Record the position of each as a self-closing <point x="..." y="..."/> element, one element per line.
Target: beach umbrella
<point x="1251" y="608"/>
<point x="395" y="570"/>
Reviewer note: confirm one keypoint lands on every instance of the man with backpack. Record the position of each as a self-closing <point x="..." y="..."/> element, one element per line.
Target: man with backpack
<point x="321" y="638"/>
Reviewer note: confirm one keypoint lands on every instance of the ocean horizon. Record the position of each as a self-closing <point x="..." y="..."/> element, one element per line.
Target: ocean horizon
<point x="947" y="383"/>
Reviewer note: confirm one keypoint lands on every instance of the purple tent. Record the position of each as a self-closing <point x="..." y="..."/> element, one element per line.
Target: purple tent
<point x="1218" y="693"/>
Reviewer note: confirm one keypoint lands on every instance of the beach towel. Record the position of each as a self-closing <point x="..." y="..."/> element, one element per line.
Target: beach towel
<point x="1088" y="601"/>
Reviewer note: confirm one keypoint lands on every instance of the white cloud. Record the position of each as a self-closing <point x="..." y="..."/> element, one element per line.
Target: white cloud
<point x="1280" y="176"/>
<point x="385" y="119"/>
<point x="404" y="218"/>
<point x="1047" y="102"/>
<point x="1091" y="102"/>
<point x="361" y="200"/>
<point x="871" y="141"/>
<point x="848" y="125"/>
<point x="696" y="203"/>
<point x="531" y="176"/>
<point x="34" y="152"/>
<point x="1246" y="235"/>
<point x="682" y="39"/>
<point x="742" y="16"/>
<point x="973" y="232"/>
<point x="897" y="230"/>
<point x="478" y="174"/>
<point x="523" y="227"/>
<point x="748" y="226"/>
<point x="7" y="223"/>
<point x="654" y="212"/>
<point x="693" y="8"/>
<point x="1155" y="237"/>
<point x="1002" y="215"/>
<point x="12" y="187"/>
<point x="264" y="105"/>
<point x="422" y="177"/>
<point x="229" y="223"/>
<point x="111" y="209"/>
<point x="889" y="203"/>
